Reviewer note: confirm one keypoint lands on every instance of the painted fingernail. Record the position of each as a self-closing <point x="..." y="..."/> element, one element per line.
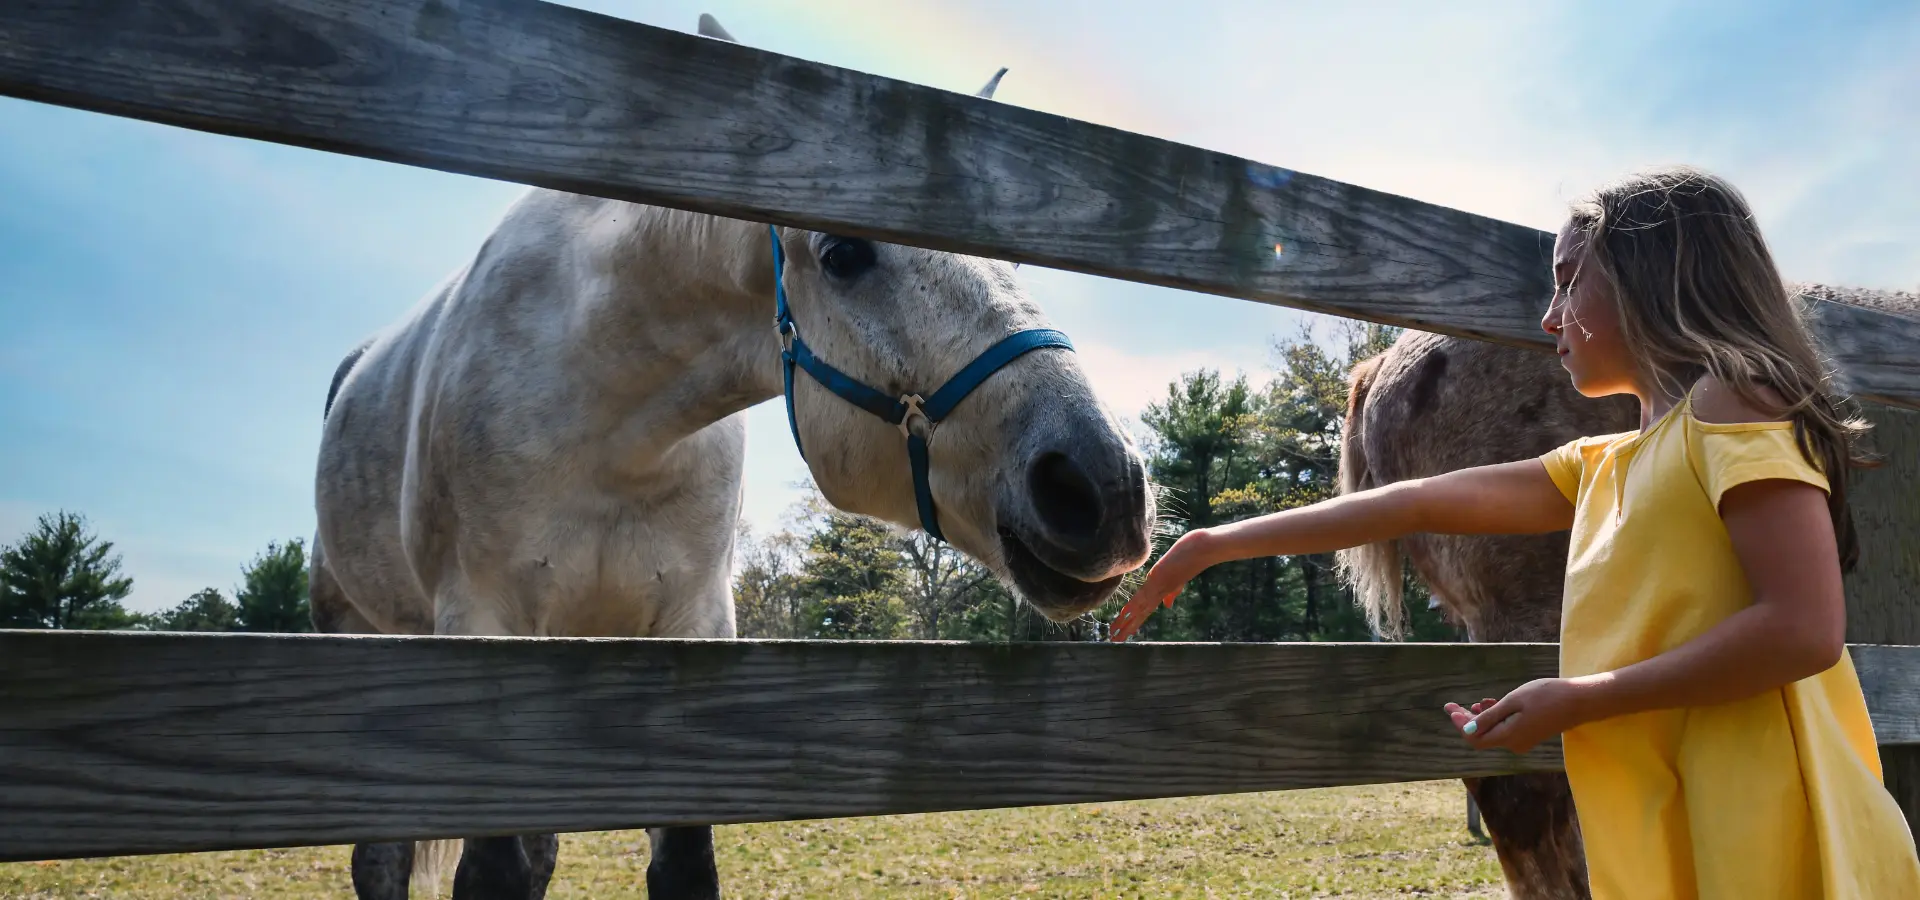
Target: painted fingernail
<point x="1470" y="727"/>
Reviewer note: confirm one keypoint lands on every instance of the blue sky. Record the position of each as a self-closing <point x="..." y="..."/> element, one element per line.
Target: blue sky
<point x="173" y="303"/>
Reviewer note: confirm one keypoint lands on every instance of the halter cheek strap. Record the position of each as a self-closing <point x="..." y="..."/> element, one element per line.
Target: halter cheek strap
<point x="909" y="409"/>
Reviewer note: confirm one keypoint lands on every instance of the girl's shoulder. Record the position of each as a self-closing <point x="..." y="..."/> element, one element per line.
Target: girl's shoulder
<point x="1569" y="463"/>
<point x="1711" y="402"/>
<point x="1731" y="440"/>
<point x="1588" y="447"/>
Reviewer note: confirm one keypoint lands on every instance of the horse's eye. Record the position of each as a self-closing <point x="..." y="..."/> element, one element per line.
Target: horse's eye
<point x="847" y="257"/>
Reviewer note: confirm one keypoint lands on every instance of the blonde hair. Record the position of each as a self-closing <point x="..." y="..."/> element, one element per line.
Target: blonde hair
<point x="1699" y="294"/>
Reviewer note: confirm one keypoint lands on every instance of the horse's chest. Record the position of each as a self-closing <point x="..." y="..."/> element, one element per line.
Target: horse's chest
<point x="624" y="581"/>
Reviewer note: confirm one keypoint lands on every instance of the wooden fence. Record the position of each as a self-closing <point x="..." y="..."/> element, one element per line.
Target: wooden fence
<point x="124" y="743"/>
<point x="121" y="743"/>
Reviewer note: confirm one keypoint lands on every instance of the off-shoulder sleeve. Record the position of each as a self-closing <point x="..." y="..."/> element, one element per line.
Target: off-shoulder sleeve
<point x="1733" y="454"/>
<point x="1564" y="464"/>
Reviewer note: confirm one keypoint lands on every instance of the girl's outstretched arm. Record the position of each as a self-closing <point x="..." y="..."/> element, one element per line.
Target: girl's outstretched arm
<point x="1509" y="498"/>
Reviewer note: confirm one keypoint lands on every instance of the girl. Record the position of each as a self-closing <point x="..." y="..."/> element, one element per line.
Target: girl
<point x="1715" y="735"/>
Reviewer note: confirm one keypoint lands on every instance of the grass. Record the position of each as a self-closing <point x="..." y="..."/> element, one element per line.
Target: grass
<point x="1401" y="840"/>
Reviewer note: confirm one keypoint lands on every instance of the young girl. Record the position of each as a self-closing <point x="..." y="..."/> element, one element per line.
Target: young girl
<point x="1715" y="734"/>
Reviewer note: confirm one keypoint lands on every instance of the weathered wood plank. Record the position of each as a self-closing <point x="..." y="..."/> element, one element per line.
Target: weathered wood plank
<point x="115" y="744"/>
<point x="1890" y="679"/>
<point x="557" y="97"/>
<point x="129" y="743"/>
<point x="1882" y="605"/>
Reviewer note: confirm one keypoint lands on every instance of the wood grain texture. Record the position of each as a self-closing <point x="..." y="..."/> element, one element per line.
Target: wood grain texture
<point x="128" y="743"/>
<point x="1883" y="590"/>
<point x="1883" y="605"/>
<point x="557" y="97"/>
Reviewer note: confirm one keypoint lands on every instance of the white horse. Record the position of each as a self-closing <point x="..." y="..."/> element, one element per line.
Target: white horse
<point x="551" y="444"/>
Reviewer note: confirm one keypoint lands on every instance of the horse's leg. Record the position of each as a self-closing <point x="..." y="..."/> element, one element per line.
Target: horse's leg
<point x="382" y="871"/>
<point x="515" y="867"/>
<point x="682" y="867"/>
<point x="1535" y="834"/>
<point x="543" y="853"/>
<point x="379" y="871"/>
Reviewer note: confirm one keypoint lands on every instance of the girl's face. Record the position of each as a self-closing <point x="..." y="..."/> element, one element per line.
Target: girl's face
<point x="1584" y="320"/>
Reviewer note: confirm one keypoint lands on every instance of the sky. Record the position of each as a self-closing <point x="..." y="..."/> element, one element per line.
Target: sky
<point x="172" y="304"/>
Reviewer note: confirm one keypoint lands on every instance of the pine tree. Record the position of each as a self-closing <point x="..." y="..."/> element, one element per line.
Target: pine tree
<point x="61" y="576"/>
<point x="853" y="579"/>
<point x="273" y="597"/>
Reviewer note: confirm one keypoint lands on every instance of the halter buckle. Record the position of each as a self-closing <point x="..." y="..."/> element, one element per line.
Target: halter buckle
<point x="913" y="402"/>
<point x="788" y="332"/>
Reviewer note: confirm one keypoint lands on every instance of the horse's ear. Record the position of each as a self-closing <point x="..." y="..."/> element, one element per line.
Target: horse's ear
<point x="710" y="27"/>
<point x="992" y="83"/>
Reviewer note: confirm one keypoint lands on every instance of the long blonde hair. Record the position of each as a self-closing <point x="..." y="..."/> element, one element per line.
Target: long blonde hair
<point x="1699" y="294"/>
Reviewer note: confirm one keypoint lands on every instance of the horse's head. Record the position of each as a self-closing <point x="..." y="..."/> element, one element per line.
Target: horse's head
<point x="1030" y="473"/>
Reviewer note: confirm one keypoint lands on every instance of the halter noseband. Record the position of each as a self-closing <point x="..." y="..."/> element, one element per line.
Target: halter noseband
<point x="929" y="411"/>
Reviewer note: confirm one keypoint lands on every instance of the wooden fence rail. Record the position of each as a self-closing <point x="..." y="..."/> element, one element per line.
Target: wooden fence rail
<point x="547" y="95"/>
<point x="128" y="743"/>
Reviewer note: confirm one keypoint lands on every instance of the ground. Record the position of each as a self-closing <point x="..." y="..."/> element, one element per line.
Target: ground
<point x="1402" y="840"/>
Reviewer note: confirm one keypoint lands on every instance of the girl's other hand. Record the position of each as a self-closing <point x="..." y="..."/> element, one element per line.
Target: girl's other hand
<point x="1532" y="713"/>
<point x="1181" y="563"/>
<point x="1462" y="715"/>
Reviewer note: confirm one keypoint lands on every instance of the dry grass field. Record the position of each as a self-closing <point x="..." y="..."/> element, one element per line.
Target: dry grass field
<point x="1403" y="840"/>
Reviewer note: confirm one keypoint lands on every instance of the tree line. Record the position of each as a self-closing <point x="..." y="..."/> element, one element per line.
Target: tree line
<point x="62" y="575"/>
<point x="1217" y="450"/>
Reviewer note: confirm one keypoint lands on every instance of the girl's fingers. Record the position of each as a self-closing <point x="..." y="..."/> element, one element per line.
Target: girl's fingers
<point x="1487" y="722"/>
<point x="1131" y="617"/>
<point x="1140" y="606"/>
<point x="1475" y="721"/>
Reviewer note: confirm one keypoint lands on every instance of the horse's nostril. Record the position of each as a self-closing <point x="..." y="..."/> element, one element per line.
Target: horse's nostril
<point x="1064" y="497"/>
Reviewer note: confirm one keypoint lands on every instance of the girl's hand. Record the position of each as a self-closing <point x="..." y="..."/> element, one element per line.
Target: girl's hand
<point x="1181" y="563"/>
<point x="1532" y="713"/>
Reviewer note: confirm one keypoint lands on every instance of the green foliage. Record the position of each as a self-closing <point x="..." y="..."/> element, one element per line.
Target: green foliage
<point x="1225" y="451"/>
<point x="273" y="596"/>
<point x="206" y="610"/>
<point x="852" y="580"/>
<point x="831" y="574"/>
<point x="941" y="586"/>
<point x="61" y="576"/>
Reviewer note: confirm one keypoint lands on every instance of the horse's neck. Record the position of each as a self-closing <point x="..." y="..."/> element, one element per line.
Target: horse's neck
<point x="672" y="325"/>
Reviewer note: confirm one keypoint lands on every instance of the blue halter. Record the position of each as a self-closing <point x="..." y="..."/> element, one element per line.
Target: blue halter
<point x="901" y="412"/>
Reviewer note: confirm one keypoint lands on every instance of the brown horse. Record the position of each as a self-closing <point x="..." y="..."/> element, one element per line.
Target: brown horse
<point x="1432" y="404"/>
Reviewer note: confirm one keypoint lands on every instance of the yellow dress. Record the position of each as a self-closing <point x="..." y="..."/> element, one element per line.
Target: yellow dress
<point x="1776" y="796"/>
